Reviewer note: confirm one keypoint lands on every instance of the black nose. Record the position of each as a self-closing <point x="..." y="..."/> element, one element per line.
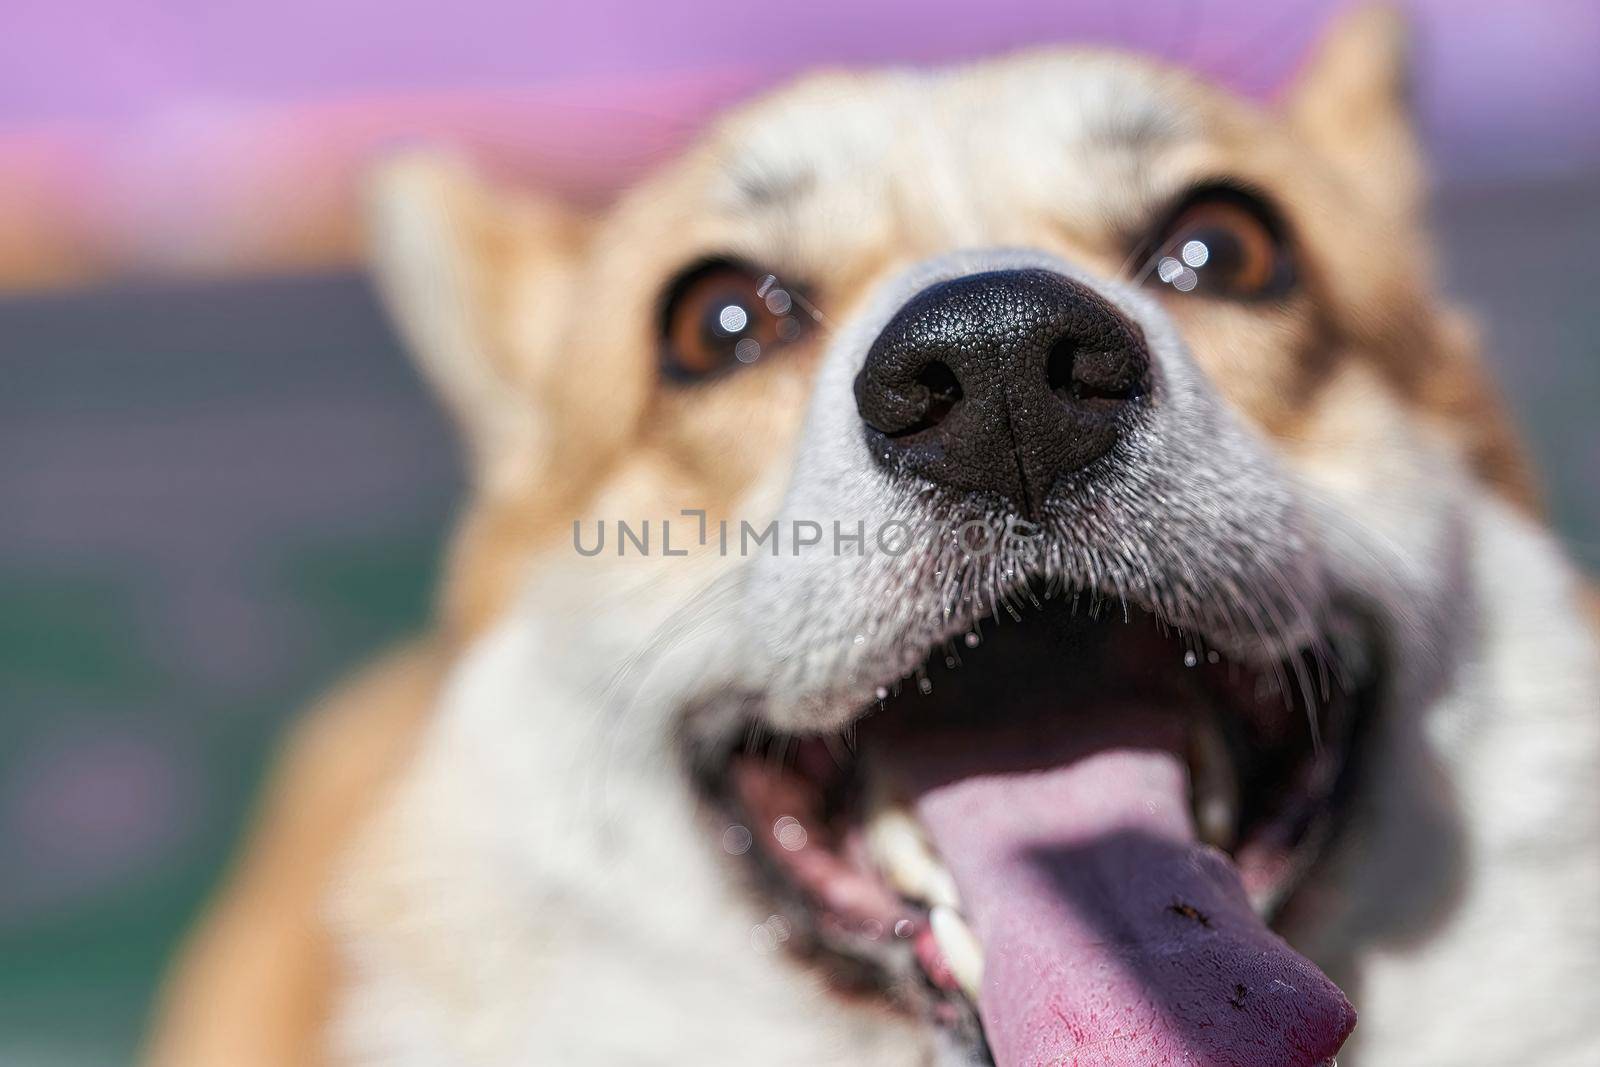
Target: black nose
<point x="1001" y="383"/>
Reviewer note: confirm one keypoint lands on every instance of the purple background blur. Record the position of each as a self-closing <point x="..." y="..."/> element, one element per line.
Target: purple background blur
<point x="1504" y="88"/>
<point x="219" y="493"/>
<point x="184" y="138"/>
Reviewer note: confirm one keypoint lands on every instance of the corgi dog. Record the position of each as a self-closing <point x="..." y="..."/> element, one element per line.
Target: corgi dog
<point x="1009" y="564"/>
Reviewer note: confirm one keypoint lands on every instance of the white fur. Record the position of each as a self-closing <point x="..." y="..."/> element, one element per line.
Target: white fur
<point x="542" y="888"/>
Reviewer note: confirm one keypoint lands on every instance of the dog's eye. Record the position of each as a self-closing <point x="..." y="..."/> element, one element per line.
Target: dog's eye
<point x="723" y="314"/>
<point x="1223" y="243"/>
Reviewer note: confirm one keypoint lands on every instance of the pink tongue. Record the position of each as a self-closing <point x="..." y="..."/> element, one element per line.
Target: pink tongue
<point x="1111" y="936"/>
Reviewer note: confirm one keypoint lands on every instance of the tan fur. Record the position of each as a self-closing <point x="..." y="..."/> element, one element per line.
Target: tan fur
<point x="1350" y="107"/>
<point x="538" y="330"/>
<point x="251" y="986"/>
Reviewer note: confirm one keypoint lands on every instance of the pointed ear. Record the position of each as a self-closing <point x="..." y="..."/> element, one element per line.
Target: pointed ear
<point x="476" y="278"/>
<point x="1351" y="103"/>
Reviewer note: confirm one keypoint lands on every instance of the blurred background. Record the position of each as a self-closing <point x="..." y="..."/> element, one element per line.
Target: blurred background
<point x="221" y="484"/>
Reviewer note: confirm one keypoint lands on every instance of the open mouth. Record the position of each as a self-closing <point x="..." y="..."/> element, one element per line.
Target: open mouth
<point x="1061" y="841"/>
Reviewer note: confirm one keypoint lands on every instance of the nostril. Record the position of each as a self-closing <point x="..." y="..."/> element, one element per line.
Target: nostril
<point x="943" y="390"/>
<point x="1059" y="369"/>
<point x="1092" y="374"/>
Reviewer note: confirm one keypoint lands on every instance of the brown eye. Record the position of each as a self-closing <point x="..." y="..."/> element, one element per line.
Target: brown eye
<point x="721" y="315"/>
<point x="1223" y="243"/>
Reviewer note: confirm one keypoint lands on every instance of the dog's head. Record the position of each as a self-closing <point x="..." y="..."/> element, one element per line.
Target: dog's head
<point x="1068" y="457"/>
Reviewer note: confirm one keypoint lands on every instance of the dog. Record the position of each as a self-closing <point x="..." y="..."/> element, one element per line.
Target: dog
<point x="1014" y="563"/>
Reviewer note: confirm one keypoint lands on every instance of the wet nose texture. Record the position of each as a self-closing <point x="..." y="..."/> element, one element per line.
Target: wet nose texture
<point x="1001" y="382"/>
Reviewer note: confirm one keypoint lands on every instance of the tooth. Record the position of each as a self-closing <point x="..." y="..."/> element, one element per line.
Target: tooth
<point x="960" y="947"/>
<point x="898" y="846"/>
<point x="1215" y="785"/>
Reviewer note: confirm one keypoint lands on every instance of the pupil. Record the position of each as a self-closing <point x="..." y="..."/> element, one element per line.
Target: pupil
<point x="725" y="318"/>
<point x="1224" y="255"/>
